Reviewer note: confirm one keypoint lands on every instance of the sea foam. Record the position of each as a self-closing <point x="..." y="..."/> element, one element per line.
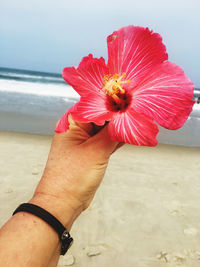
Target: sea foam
<point x="43" y="89"/>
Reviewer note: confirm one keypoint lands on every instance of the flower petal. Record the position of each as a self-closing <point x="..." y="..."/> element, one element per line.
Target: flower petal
<point x="63" y="124"/>
<point x="133" y="128"/>
<point x="135" y="51"/>
<point x="165" y="95"/>
<point x="88" y="76"/>
<point x="92" y="108"/>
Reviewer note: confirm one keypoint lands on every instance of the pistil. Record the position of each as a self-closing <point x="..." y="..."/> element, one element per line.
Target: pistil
<point x="117" y="99"/>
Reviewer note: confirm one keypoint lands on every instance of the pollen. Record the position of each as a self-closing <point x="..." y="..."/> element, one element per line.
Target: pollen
<point x="113" y="84"/>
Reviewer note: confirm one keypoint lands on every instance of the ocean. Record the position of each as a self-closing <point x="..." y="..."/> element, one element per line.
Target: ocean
<point x="33" y="102"/>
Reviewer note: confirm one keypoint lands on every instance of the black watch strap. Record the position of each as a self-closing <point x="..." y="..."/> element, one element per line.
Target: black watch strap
<point x="64" y="236"/>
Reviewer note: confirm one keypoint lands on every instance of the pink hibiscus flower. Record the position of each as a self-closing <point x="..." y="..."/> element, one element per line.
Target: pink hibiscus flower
<point x="135" y="90"/>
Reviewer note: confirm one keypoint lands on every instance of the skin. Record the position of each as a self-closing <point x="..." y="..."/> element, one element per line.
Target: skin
<point x="74" y="170"/>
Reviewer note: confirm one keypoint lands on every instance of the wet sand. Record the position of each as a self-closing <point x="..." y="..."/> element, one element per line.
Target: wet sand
<point x="146" y="212"/>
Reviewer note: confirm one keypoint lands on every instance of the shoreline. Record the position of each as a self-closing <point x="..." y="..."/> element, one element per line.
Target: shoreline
<point x="36" y="108"/>
<point x="39" y="114"/>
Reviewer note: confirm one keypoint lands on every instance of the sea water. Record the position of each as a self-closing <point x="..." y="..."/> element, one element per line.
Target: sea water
<point x="32" y="82"/>
<point x="33" y="102"/>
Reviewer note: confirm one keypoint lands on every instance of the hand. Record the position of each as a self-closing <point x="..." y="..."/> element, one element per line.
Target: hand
<point x="76" y="165"/>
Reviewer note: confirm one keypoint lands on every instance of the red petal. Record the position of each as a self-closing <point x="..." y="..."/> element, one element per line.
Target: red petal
<point x="133" y="128"/>
<point x="165" y="96"/>
<point x="92" y="108"/>
<point x="88" y="77"/>
<point x="63" y="124"/>
<point x="135" y="51"/>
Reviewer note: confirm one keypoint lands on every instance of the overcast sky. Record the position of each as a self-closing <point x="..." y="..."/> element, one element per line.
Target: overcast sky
<point x="48" y="35"/>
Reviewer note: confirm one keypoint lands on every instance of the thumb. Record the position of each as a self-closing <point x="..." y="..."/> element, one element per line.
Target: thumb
<point x="74" y="126"/>
<point x="102" y="142"/>
<point x="77" y="132"/>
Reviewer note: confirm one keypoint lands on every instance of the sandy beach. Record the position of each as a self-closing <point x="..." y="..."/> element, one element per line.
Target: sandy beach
<point x="145" y="214"/>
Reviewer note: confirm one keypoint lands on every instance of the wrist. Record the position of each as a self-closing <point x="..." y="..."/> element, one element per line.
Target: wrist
<point x="62" y="210"/>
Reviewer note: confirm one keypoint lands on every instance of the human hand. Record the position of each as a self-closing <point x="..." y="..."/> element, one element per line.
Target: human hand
<point x="76" y="165"/>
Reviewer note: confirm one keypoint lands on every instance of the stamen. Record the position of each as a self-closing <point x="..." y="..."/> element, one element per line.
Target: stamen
<point x="113" y="85"/>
